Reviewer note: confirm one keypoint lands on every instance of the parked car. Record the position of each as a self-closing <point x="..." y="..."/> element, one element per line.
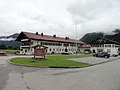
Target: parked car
<point x="66" y="53"/>
<point x="102" y="54"/>
<point x="87" y="51"/>
<point x="3" y="53"/>
<point x="52" y="52"/>
<point x="114" y="55"/>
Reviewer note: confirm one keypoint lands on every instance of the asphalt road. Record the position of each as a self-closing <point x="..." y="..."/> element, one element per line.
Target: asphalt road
<point x="100" y="77"/>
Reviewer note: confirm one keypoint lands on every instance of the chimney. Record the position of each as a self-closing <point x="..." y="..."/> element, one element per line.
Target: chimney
<point x="54" y="36"/>
<point x="36" y="33"/>
<point x="66" y="38"/>
<point x="41" y="34"/>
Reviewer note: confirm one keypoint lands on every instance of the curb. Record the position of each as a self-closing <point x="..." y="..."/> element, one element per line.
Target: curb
<point x="64" y="66"/>
<point x="106" y="61"/>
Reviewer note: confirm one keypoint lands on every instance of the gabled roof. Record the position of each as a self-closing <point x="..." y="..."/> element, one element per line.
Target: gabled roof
<point x="103" y="40"/>
<point x="37" y="36"/>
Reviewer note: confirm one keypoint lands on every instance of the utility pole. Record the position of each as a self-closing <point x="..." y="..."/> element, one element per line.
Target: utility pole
<point x="76" y="37"/>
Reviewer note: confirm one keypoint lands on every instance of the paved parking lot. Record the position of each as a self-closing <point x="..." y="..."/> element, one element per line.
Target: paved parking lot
<point x="99" y="77"/>
<point x="94" y="60"/>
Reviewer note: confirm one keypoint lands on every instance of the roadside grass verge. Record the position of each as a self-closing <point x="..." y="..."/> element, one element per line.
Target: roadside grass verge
<point x="52" y="61"/>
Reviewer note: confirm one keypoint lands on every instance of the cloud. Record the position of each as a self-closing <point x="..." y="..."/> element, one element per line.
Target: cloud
<point x="94" y="15"/>
<point x="38" y="15"/>
<point x="59" y="16"/>
<point x="7" y="39"/>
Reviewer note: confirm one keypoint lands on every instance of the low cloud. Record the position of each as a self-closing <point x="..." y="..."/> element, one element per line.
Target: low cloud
<point x="96" y="15"/>
<point x="7" y="39"/>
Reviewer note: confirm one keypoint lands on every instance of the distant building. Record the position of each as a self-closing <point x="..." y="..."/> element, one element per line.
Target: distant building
<point x="85" y="48"/>
<point x="105" y="45"/>
<point x="55" y="44"/>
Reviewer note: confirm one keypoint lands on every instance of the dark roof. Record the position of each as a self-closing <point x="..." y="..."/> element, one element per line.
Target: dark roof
<point x="37" y="36"/>
<point x="103" y="40"/>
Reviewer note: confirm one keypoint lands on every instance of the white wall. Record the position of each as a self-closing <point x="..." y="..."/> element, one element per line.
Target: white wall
<point x="113" y="50"/>
<point x="55" y="49"/>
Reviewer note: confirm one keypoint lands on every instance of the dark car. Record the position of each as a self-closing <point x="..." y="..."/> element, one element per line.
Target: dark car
<point x="102" y="54"/>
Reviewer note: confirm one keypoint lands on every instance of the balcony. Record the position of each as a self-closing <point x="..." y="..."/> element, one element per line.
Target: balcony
<point x="25" y="44"/>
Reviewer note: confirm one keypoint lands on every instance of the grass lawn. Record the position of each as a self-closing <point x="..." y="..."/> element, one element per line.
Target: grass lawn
<point x="58" y="60"/>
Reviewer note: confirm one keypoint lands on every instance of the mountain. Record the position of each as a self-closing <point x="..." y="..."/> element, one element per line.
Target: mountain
<point x="13" y="36"/>
<point x="9" y="40"/>
<point x="89" y="37"/>
<point x="115" y="37"/>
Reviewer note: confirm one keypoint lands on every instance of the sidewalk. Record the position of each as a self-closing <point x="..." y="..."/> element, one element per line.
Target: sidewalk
<point x="94" y="60"/>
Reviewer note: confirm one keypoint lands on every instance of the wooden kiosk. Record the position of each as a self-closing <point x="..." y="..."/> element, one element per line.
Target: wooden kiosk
<point x="39" y="52"/>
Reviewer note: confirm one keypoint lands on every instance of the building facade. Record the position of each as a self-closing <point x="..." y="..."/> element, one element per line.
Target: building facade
<point x="105" y="45"/>
<point x="55" y="44"/>
<point x="85" y="48"/>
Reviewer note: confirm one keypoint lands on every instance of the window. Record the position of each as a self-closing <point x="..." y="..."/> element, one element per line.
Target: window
<point x="31" y="43"/>
<point x="66" y="45"/>
<point x="109" y="45"/>
<point x="108" y="50"/>
<point x="102" y="45"/>
<point x="25" y="50"/>
<point x="59" y="44"/>
<point x="41" y="43"/>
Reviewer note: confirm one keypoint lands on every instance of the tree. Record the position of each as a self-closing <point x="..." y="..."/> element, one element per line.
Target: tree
<point x="3" y="46"/>
<point x="116" y="31"/>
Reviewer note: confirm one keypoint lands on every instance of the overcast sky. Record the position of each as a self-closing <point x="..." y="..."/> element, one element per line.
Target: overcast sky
<point x="59" y="16"/>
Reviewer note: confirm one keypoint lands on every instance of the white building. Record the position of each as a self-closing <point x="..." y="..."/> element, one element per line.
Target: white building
<point x="55" y="44"/>
<point x="85" y="48"/>
<point x="105" y="45"/>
